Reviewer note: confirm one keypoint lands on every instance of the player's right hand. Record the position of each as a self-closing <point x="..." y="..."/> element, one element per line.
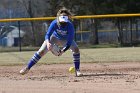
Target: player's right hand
<point x="49" y="45"/>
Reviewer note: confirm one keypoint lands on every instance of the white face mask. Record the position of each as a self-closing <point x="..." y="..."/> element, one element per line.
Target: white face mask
<point x="63" y="18"/>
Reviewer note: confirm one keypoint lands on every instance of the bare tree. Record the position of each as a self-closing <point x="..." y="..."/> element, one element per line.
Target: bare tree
<point x="28" y="7"/>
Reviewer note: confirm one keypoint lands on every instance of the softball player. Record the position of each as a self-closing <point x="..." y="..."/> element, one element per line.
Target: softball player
<point x="60" y="32"/>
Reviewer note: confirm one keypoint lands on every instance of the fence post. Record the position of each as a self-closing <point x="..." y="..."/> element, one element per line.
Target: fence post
<point x="131" y="31"/>
<point x="136" y="22"/>
<point x="120" y="31"/>
<point x="19" y="41"/>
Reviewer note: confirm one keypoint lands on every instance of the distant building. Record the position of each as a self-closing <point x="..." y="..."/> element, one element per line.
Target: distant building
<point x="9" y="36"/>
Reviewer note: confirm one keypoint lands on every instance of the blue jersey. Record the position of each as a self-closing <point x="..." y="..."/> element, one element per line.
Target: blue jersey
<point x="62" y="33"/>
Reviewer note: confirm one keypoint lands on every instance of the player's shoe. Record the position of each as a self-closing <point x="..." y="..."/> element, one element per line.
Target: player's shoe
<point x="78" y="73"/>
<point x="24" y="71"/>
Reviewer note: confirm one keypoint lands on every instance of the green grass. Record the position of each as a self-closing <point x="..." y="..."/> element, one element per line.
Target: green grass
<point x="117" y="45"/>
<point x="131" y="54"/>
<point x="16" y="49"/>
<point x="85" y="45"/>
<point x="104" y="46"/>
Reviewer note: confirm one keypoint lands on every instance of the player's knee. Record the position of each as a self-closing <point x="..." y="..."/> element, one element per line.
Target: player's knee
<point x="41" y="53"/>
<point x="76" y="50"/>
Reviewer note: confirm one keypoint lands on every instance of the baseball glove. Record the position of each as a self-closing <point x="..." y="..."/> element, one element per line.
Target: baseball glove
<point x="55" y="50"/>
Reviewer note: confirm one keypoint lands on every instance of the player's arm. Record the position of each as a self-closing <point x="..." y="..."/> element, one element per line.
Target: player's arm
<point x="48" y="35"/>
<point x="50" y="31"/>
<point x="70" y="38"/>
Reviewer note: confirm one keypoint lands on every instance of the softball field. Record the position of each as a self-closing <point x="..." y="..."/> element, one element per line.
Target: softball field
<point x="105" y="70"/>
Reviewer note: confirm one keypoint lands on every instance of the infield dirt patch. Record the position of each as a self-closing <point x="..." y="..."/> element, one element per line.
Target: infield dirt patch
<point x="120" y="77"/>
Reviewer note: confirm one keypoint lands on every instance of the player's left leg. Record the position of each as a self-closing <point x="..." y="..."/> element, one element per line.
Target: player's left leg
<point x="76" y="58"/>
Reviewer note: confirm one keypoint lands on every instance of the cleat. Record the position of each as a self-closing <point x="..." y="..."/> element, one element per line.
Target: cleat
<point x="78" y="73"/>
<point x="24" y="71"/>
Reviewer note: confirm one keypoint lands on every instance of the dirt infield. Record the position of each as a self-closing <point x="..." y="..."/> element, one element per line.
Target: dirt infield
<point x="122" y="77"/>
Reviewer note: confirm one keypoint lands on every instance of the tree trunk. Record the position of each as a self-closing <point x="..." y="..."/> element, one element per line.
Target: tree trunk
<point x="94" y="31"/>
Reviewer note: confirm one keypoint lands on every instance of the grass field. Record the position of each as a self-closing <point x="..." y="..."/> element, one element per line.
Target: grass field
<point x="131" y="54"/>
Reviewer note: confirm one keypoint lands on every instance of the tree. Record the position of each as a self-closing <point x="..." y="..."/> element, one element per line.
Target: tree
<point x="28" y="6"/>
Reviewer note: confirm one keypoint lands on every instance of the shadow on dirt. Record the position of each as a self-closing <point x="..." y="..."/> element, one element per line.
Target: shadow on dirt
<point x="86" y="75"/>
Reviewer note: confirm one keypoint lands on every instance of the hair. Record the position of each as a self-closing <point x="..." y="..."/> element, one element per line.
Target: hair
<point x="64" y="10"/>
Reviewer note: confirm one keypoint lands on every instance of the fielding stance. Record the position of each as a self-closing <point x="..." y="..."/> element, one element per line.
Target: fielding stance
<point x="60" y="32"/>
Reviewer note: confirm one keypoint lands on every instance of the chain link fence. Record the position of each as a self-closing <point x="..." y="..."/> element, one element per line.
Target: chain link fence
<point x="124" y="31"/>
